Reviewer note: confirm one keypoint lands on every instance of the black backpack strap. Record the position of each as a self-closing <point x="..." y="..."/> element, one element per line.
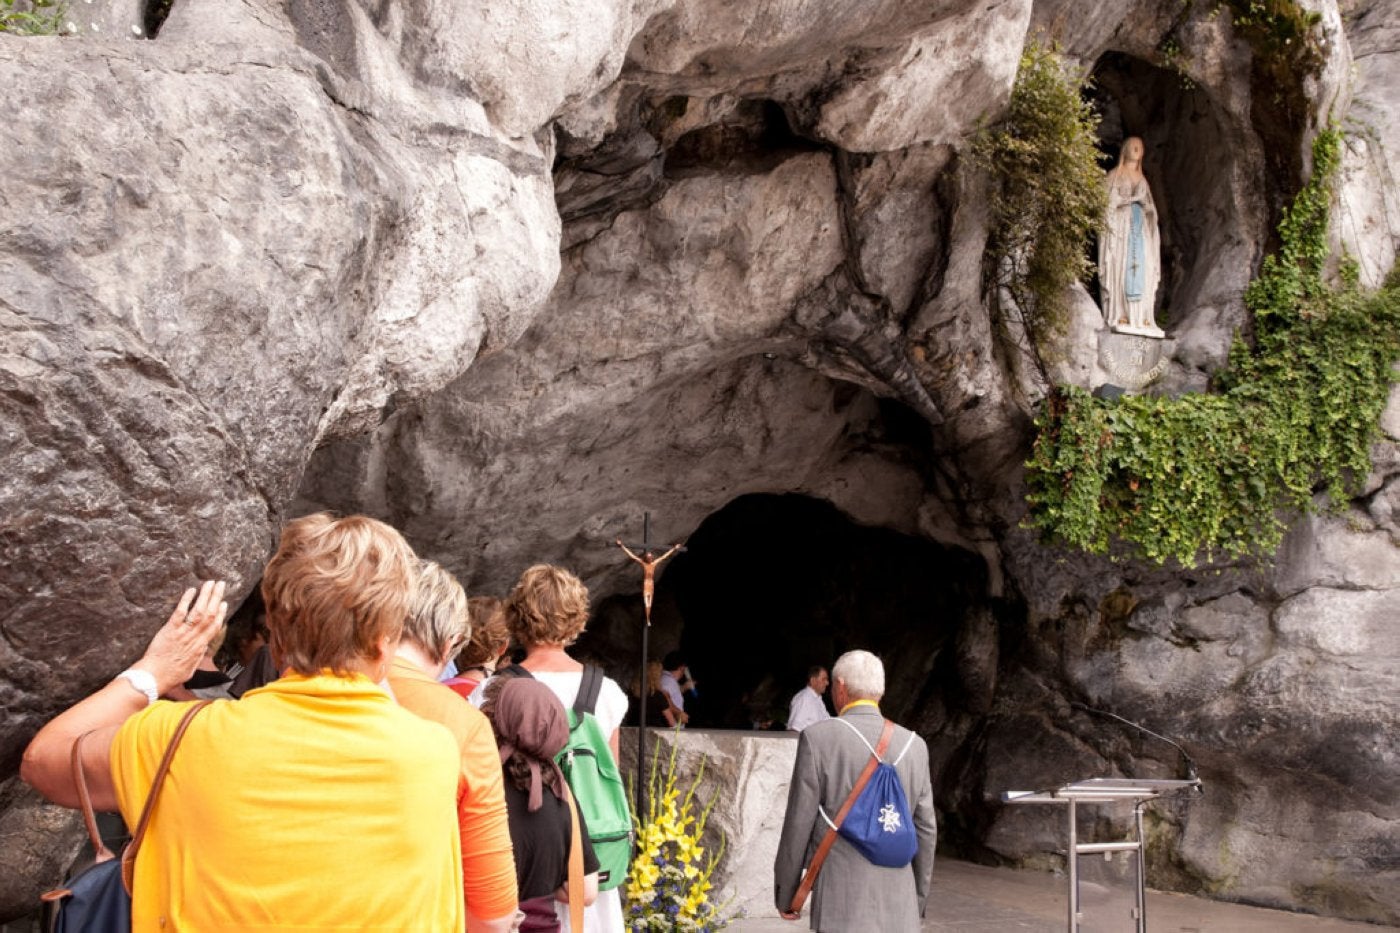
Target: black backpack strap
<point x="588" y="690"/>
<point x="514" y="670"/>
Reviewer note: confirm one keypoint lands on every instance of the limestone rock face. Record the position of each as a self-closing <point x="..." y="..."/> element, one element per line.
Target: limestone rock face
<point x="508" y="275"/>
<point x="107" y="20"/>
<point x="523" y="60"/>
<point x="210" y="257"/>
<point x="1284" y="683"/>
<point x="1298" y="701"/>
<point x="1370" y="222"/>
<point x="968" y="60"/>
<point x="41" y="843"/>
<point x="736" y="42"/>
<point x="207" y="248"/>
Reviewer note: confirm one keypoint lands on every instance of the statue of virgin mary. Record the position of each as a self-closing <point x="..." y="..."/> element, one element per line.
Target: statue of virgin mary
<point x="1130" y="263"/>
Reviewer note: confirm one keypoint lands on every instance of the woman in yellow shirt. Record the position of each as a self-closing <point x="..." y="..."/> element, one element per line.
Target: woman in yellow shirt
<point x="313" y="803"/>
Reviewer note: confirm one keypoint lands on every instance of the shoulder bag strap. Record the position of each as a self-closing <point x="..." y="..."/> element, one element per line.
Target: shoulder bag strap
<point x="102" y="853"/>
<point x="129" y="853"/>
<point x="575" y="864"/>
<point x="85" y="798"/>
<point x="588" y="689"/>
<point x="829" y="839"/>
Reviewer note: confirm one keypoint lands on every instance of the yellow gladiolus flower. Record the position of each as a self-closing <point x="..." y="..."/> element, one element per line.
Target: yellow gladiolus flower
<point x="669" y="879"/>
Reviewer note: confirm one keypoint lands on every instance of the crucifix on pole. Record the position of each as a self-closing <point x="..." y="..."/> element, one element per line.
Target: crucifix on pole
<point x="645" y="555"/>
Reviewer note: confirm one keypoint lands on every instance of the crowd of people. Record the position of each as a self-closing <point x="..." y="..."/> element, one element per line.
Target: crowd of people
<point x="351" y="789"/>
<point x="374" y="761"/>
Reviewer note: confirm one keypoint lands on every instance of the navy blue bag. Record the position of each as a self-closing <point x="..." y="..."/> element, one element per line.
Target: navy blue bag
<point x="878" y="823"/>
<point x="93" y="901"/>
<point x="97" y="899"/>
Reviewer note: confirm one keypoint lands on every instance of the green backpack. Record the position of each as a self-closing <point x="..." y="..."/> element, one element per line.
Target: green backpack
<point x="588" y="766"/>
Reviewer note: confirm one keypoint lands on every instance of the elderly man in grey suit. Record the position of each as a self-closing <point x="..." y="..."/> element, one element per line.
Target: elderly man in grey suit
<point x="850" y="893"/>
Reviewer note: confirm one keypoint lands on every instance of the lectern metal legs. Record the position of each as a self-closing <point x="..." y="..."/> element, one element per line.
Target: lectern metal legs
<point x="1073" y="858"/>
<point x="1137" y="847"/>
<point x="1105" y="791"/>
<point x="1141" y="870"/>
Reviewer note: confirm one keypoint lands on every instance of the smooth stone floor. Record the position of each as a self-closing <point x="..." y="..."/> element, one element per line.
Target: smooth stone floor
<point x="971" y="898"/>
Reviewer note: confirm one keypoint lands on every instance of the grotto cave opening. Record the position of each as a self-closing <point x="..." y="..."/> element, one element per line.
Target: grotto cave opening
<point x="771" y="584"/>
<point x="1193" y="154"/>
<point x="751" y="136"/>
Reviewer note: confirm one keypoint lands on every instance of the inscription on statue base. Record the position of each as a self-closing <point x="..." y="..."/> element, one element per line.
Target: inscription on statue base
<point x="1131" y="361"/>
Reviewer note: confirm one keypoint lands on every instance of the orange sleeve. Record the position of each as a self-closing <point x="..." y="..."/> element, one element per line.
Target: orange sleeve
<point x="488" y="860"/>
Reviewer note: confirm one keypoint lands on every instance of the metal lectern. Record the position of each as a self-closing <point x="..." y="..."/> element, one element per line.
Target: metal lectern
<point x="1102" y="791"/>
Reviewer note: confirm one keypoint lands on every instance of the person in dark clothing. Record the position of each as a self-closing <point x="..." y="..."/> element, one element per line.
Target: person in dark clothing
<point x="660" y="711"/>
<point x="531" y="728"/>
<point x="260" y="672"/>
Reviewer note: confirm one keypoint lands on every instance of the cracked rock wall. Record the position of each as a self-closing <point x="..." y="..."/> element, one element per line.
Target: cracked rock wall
<point x="508" y="275"/>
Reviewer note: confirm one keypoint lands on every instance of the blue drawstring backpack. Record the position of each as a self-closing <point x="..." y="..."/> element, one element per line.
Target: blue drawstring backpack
<point x="878" y="823"/>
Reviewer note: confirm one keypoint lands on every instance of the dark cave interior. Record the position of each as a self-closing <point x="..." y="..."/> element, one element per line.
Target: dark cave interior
<point x="771" y="584"/>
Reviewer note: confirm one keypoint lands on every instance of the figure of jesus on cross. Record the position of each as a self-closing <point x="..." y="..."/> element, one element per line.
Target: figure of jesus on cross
<point x="648" y="560"/>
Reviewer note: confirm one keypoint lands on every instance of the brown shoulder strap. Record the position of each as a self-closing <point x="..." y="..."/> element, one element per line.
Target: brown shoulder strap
<point x="575" y="864"/>
<point x="103" y="854"/>
<point x="829" y="839"/>
<point x="133" y="847"/>
<point x="85" y="798"/>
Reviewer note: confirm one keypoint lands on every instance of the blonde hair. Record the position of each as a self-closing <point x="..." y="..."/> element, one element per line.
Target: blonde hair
<point x="653" y="677"/>
<point x="335" y="587"/>
<point x="549" y="606"/>
<point x="438" y="622"/>
<point x="489" y="635"/>
<point x="217" y="641"/>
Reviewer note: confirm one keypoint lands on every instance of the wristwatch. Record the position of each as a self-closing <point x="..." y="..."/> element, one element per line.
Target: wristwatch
<point x="142" y="682"/>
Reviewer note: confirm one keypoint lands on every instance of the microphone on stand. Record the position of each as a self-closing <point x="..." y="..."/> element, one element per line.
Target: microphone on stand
<point x="1191" y="774"/>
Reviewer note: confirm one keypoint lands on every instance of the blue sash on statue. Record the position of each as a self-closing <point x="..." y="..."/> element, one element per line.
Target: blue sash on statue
<point x="1135" y="272"/>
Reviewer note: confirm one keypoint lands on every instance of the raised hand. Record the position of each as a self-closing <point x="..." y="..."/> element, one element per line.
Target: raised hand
<point x="174" y="652"/>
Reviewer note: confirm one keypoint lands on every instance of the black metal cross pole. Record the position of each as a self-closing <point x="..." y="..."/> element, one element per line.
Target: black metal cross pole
<point x="644" y="555"/>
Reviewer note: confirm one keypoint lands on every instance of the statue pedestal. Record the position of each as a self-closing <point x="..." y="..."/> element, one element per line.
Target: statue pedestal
<point x="1156" y="332"/>
<point x="1132" y="357"/>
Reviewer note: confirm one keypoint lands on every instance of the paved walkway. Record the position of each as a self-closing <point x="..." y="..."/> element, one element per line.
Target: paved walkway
<point x="971" y="898"/>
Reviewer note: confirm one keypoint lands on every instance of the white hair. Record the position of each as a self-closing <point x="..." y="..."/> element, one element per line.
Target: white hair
<point x="438" y="621"/>
<point x="862" y="673"/>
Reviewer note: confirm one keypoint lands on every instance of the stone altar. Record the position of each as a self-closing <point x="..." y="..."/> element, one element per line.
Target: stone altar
<point x="747" y="775"/>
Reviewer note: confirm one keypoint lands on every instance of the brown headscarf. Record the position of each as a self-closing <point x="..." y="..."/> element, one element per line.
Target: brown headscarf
<point x="531" y="725"/>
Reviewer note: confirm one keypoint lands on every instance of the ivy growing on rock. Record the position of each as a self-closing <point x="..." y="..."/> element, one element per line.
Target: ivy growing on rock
<point x="1047" y="191"/>
<point x="32" y="17"/>
<point x="1281" y="31"/>
<point x="1283" y="35"/>
<point x="1220" y="475"/>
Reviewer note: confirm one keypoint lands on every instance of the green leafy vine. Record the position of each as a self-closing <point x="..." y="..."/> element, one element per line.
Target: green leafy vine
<point x="32" y="17"/>
<point x="1220" y="475"/>
<point x="1047" y="191"/>
<point x="1282" y="31"/>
